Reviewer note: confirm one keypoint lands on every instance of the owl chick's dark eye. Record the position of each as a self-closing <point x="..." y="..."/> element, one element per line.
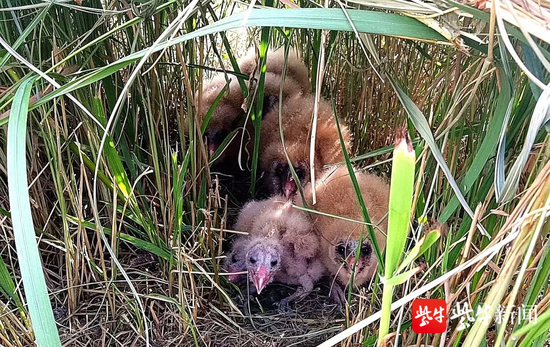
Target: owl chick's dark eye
<point x="341" y="250"/>
<point x="365" y="249"/>
<point x="279" y="170"/>
<point x="300" y="173"/>
<point x="215" y="136"/>
<point x="252" y="260"/>
<point x="273" y="263"/>
<point x="234" y="258"/>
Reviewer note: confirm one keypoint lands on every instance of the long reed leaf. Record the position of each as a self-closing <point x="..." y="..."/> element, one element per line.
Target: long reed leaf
<point x="139" y="243"/>
<point x="30" y="263"/>
<point x="257" y="114"/>
<point x="7" y="286"/>
<point x="401" y="195"/>
<point x="423" y="129"/>
<point x="541" y="115"/>
<point x="486" y="149"/>
<point x="30" y="28"/>
<point x="331" y="19"/>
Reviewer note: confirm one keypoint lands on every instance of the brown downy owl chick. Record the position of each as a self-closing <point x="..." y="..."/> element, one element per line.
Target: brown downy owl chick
<point x="281" y="246"/>
<point x="297" y="115"/>
<point x="296" y="77"/>
<point x="227" y="117"/>
<point x="336" y="195"/>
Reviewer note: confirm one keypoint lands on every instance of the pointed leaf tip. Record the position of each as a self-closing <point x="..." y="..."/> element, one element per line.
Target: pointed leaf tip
<point x="403" y="140"/>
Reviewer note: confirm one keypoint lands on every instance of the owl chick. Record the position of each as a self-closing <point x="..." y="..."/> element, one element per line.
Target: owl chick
<point x="227" y="117"/>
<point x="296" y="122"/>
<point x="281" y="246"/>
<point x="296" y="80"/>
<point x="340" y="238"/>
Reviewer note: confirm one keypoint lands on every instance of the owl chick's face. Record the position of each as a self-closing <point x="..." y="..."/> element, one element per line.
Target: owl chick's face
<point x="281" y="180"/>
<point x="344" y="252"/>
<point x="214" y="138"/>
<point x="263" y="260"/>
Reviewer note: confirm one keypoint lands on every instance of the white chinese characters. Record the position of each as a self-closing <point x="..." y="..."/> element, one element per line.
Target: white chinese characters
<point x="502" y="314"/>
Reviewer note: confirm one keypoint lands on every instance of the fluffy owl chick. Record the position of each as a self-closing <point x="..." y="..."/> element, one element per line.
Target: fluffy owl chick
<point x="296" y="80"/>
<point x="296" y="71"/>
<point x="297" y="114"/>
<point x="227" y="117"/>
<point x="281" y="246"/>
<point x="336" y="195"/>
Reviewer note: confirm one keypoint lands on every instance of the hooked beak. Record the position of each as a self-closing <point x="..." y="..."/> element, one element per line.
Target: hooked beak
<point x="359" y="266"/>
<point x="289" y="188"/>
<point x="261" y="278"/>
<point x="351" y="261"/>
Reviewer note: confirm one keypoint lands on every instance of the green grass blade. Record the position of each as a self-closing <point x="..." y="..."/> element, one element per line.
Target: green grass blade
<point x="535" y="66"/>
<point x="486" y="149"/>
<point x="7" y="286"/>
<point x="377" y="152"/>
<point x="335" y="19"/>
<point x="257" y="114"/>
<point x="113" y="159"/>
<point x="139" y="243"/>
<point x="423" y="129"/>
<point x="358" y="194"/>
<point x="541" y="115"/>
<point x="534" y="330"/>
<point x="402" y="277"/>
<point x="91" y="166"/>
<point x="314" y="18"/>
<point x="500" y="158"/>
<point x="420" y="248"/>
<point x="30" y="263"/>
<point x="30" y="28"/>
<point x="223" y="146"/>
<point x="541" y="278"/>
<point x="362" y="205"/>
<point x="212" y="108"/>
<point x="401" y="195"/>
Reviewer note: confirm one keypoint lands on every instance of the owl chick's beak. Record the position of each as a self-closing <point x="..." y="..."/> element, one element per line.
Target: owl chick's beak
<point x="212" y="138"/>
<point x="351" y="261"/>
<point x="261" y="278"/>
<point x="289" y="188"/>
<point x="211" y="148"/>
<point x="358" y="266"/>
